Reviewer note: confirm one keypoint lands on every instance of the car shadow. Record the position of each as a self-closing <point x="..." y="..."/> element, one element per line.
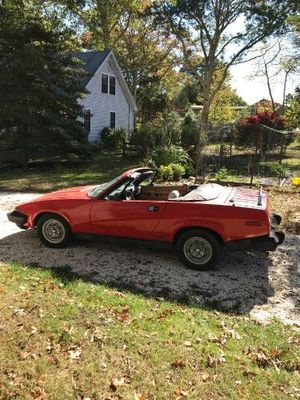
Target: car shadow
<point x="238" y="284"/>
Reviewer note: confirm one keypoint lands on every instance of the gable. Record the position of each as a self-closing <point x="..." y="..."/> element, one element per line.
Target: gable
<point x="95" y="61"/>
<point x="92" y="60"/>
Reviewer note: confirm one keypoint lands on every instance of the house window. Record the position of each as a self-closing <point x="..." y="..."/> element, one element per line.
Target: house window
<point x="104" y="83"/>
<point x="112" y="84"/>
<point x="87" y="120"/>
<point x="112" y="119"/>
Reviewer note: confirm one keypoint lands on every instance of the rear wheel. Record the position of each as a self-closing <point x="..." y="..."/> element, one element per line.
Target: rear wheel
<point x="54" y="231"/>
<point x="199" y="249"/>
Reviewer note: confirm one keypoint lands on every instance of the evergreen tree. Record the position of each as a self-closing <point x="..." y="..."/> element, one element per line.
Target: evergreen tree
<point x="39" y="85"/>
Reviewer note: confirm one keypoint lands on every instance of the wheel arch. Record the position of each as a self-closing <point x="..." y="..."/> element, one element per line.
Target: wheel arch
<point x="40" y="214"/>
<point x="190" y="228"/>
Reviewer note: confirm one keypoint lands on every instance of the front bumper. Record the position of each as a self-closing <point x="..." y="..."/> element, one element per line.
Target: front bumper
<point x="18" y="218"/>
<point x="261" y="243"/>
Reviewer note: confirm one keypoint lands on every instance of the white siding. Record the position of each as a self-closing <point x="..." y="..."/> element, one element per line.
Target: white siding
<point x="102" y="104"/>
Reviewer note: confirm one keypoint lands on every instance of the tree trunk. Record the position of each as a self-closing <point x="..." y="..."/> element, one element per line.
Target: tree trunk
<point x="203" y="130"/>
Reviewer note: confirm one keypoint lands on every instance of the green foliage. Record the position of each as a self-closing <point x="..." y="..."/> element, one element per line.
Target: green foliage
<point x="189" y="130"/>
<point x="280" y="170"/>
<point x="147" y="138"/>
<point x="292" y="109"/>
<point x="171" y="128"/>
<point x="171" y="172"/>
<point x="39" y="85"/>
<point x="172" y="154"/>
<point x="178" y="171"/>
<point x="222" y="174"/>
<point x="113" y="139"/>
<point x="165" y="172"/>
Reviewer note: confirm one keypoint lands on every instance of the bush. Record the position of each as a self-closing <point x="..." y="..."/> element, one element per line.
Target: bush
<point x="172" y="154"/>
<point x="147" y="138"/>
<point x="171" y="172"/>
<point x="222" y="174"/>
<point x="178" y="171"/>
<point x="280" y="170"/>
<point x="165" y="172"/>
<point x="253" y="132"/>
<point x="189" y="130"/>
<point x="113" y="139"/>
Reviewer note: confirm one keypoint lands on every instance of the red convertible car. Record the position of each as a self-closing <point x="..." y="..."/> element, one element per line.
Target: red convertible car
<point x="199" y="220"/>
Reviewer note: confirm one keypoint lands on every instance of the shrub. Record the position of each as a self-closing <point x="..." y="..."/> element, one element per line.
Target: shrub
<point x="280" y="170"/>
<point x="171" y="172"/>
<point x="113" y="139"/>
<point x="222" y="174"/>
<point x="172" y="154"/>
<point x="147" y="138"/>
<point x="165" y="172"/>
<point x="252" y="132"/>
<point x="189" y="130"/>
<point x="178" y="171"/>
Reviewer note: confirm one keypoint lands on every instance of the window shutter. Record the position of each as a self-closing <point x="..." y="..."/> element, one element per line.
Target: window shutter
<point x="112" y="119"/>
<point x="112" y="84"/>
<point x="87" y="120"/>
<point x="104" y="83"/>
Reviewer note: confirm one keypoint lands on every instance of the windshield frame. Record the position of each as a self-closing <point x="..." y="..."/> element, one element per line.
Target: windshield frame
<point x="104" y="187"/>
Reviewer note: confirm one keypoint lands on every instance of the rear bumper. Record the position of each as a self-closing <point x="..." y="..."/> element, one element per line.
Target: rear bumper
<point x="261" y="243"/>
<point x="18" y="218"/>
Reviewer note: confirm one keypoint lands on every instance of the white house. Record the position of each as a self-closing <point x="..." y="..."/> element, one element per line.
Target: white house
<point x="109" y="102"/>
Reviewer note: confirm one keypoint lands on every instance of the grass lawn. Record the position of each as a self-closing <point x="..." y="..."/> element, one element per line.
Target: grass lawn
<point x="103" y="167"/>
<point x="69" y="339"/>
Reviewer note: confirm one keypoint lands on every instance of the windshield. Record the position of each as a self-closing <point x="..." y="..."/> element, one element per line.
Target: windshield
<point x="96" y="190"/>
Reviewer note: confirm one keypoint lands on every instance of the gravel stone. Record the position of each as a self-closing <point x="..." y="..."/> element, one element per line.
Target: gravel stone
<point x="264" y="286"/>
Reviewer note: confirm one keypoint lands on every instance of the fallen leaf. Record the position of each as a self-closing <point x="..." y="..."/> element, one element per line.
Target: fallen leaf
<point x="179" y="393"/>
<point x="74" y="353"/>
<point x="214" y="361"/>
<point x="116" y="382"/>
<point x="139" y="396"/>
<point x="124" y="314"/>
<point x="19" y="312"/>
<point x="178" y="364"/>
<point x="204" y="376"/>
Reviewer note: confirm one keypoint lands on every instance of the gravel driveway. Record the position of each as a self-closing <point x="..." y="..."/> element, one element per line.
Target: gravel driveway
<point x="244" y="282"/>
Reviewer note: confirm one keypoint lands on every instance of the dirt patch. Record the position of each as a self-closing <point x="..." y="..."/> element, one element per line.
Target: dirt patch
<point x="244" y="282"/>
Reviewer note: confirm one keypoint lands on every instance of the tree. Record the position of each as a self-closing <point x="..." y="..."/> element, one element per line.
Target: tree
<point x="253" y="132"/>
<point x="39" y="85"/>
<point x="143" y="54"/>
<point x="105" y="21"/>
<point x="292" y="109"/>
<point x="207" y="28"/>
<point x="277" y="60"/>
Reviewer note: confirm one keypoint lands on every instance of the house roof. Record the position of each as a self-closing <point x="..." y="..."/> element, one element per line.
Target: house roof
<point x="91" y="62"/>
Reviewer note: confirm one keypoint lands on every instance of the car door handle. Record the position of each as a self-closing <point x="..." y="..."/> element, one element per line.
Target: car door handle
<point x="153" y="208"/>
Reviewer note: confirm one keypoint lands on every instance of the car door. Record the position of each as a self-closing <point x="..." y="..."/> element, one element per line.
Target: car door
<point x="126" y="218"/>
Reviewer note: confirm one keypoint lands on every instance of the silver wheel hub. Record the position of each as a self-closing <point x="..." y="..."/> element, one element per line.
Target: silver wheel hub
<point x="197" y="250"/>
<point x="53" y="231"/>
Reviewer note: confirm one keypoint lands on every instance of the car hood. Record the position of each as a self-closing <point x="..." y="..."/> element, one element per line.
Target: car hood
<point x="75" y="193"/>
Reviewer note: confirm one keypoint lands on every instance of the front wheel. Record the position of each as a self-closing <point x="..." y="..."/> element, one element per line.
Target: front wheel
<point x="199" y="249"/>
<point x="53" y="230"/>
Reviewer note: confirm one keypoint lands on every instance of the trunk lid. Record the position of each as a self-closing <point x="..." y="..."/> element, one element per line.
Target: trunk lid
<point x="249" y="198"/>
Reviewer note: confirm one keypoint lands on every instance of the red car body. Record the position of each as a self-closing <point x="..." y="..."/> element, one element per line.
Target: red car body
<point x="238" y="217"/>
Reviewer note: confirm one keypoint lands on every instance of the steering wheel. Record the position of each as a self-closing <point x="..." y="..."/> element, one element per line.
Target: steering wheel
<point x="128" y="195"/>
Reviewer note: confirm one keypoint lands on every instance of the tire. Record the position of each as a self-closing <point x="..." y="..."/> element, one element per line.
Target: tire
<point x="54" y="231"/>
<point x="199" y="249"/>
